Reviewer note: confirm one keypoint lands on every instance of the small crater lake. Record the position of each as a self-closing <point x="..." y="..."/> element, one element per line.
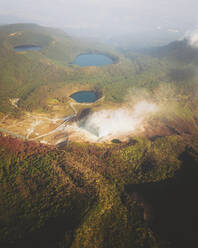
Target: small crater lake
<point x="84" y="96"/>
<point x="92" y="59"/>
<point x="27" y="48"/>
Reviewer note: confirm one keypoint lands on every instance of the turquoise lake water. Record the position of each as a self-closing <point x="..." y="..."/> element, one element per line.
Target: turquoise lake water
<point x="84" y="96"/>
<point x="92" y="59"/>
<point x="27" y="48"/>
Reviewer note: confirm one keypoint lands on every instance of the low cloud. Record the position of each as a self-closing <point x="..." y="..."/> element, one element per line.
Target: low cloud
<point x="192" y="38"/>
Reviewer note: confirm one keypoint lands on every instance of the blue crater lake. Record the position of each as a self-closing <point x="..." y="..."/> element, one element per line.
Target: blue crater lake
<point x="92" y="59"/>
<point x="27" y="48"/>
<point x="84" y="96"/>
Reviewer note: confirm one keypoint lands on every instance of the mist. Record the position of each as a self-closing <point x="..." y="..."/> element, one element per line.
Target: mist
<point x="107" y="19"/>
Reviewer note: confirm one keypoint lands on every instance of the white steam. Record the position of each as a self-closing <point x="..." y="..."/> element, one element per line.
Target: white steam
<point x="114" y="123"/>
<point x="192" y="38"/>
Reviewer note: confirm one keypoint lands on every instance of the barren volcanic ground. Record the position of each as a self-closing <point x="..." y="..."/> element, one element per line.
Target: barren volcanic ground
<point x="87" y="125"/>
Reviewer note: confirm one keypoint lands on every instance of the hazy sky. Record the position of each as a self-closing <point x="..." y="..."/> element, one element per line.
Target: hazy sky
<point x="115" y="15"/>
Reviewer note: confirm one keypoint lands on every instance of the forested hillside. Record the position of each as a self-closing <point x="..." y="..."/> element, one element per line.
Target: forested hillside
<point x="140" y="192"/>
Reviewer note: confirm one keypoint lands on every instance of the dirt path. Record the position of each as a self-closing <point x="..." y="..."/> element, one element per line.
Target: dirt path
<point x="73" y="108"/>
<point x="5" y="117"/>
<point x="37" y="120"/>
<point x="59" y="128"/>
<point x="62" y="125"/>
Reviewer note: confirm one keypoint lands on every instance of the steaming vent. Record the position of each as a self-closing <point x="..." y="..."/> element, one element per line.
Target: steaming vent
<point x="115" y="123"/>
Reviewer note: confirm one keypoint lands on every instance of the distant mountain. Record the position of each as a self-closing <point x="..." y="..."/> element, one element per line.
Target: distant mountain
<point x="179" y="51"/>
<point x="144" y="40"/>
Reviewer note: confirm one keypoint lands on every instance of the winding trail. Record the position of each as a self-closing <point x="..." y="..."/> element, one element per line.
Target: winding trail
<point x="34" y="124"/>
<point x="62" y="125"/>
<point x="71" y="104"/>
<point x="5" y="117"/>
<point x="59" y="128"/>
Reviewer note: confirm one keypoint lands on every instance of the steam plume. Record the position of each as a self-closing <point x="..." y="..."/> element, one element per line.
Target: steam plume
<point x="192" y="38"/>
<point x="114" y="123"/>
